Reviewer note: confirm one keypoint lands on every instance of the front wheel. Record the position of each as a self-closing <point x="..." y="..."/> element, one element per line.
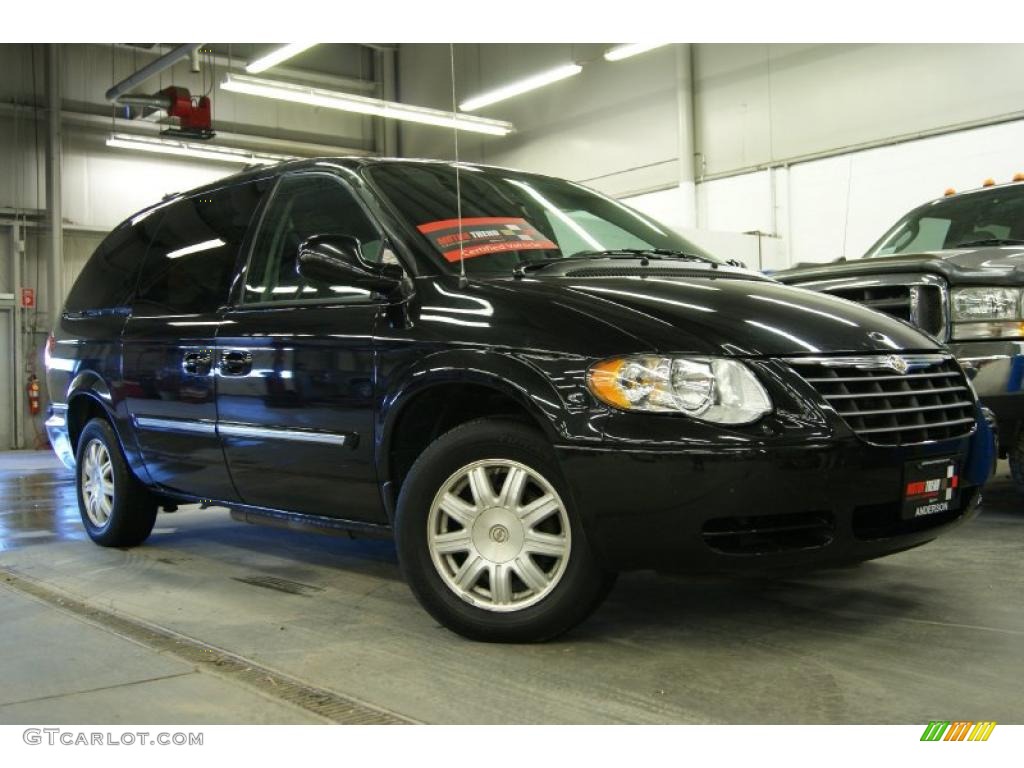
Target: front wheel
<point x="117" y="510"/>
<point x="489" y="540"/>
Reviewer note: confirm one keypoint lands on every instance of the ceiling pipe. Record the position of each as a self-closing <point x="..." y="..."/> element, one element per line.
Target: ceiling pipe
<point x="153" y="68"/>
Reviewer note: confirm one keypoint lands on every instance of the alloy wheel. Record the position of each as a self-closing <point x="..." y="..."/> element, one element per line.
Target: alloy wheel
<point x="97" y="480"/>
<point x="499" y="535"/>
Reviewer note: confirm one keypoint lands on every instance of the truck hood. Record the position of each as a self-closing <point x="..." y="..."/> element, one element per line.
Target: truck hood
<point x="716" y="312"/>
<point x="988" y="265"/>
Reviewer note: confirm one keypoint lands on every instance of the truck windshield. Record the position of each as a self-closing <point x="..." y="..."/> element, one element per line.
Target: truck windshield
<point x="992" y="216"/>
<point x="510" y="219"/>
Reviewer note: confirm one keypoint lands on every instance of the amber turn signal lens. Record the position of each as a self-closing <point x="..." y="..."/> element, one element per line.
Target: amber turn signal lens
<point x="604" y="382"/>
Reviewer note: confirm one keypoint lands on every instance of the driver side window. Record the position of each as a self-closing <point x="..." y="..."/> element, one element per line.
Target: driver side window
<point x="304" y="205"/>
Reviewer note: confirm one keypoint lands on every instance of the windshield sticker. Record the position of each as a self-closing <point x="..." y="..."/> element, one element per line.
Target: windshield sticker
<point x="488" y="234"/>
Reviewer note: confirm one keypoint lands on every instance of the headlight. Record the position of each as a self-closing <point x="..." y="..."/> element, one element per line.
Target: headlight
<point x="985" y="313"/>
<point x="713" y="389"/>
<point x="986" y="304"/>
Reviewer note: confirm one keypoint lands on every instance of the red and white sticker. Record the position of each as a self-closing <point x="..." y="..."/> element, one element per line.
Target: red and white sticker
<point x="482" y="235"/>
<point x="937" y="489"/>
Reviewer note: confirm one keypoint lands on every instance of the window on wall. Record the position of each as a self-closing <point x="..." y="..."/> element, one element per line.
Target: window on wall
<point x="191" y="264"/>
<point x="302" y="206"/>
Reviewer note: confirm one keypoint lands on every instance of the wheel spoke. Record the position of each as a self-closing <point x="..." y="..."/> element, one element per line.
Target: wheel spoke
<point x="536" y="511"/>
<point x="512" y="490"/>
<point x="468" y="575"/>
<point x="451" y="543"/>
<point x="501" y="584"/>
<point x="537" y="543"/>
<point x="529" y="573"/>
<point x="458" y="510"/>
<point x="483" y="491"/>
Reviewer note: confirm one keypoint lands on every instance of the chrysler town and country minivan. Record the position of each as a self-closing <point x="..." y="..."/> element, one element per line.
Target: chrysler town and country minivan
<point x="531" y="386"/>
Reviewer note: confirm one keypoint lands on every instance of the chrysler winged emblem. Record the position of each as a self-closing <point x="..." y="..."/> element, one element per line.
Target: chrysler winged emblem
<point x="897" y="363"/>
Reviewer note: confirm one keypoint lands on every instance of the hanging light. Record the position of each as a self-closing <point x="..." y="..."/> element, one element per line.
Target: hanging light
<point x="218" y="153"/>
<point x="275" y="57"/>
<point x="621" y="52"/>
<point x="364" y="105"/>
<point x="530" y="83"/>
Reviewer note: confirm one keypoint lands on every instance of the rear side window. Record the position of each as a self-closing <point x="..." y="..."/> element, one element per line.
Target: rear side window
<point x="304" y="205"/>
<point x="191" y="264"/>
<point x="109" y="277"/>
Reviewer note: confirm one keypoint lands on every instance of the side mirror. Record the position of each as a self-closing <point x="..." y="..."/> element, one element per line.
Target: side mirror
<point x="339" y="259"/>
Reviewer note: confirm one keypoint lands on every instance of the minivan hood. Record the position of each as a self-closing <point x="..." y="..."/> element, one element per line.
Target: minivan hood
<point x="988" y="265"/>
<point x="723" y="315"/>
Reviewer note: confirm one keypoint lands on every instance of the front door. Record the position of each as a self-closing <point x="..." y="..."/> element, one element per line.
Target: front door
<point x="168" y="342"/>
<point x="295" y="376"/>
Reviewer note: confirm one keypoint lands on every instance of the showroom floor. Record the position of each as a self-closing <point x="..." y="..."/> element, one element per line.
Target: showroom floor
<point x="217" y="621"/>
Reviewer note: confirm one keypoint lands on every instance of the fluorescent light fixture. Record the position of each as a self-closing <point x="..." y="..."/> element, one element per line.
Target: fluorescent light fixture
<point x="621" y="52"/>
<point x="206" y="245"/>
<point x="275" y="57"/>
<point x="163" y="146"/>
<point x="363" y="105"/>
<point x="521" y="86"/>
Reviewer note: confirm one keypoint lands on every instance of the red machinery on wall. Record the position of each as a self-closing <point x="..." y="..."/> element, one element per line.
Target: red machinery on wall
<point x="192" y="112"/>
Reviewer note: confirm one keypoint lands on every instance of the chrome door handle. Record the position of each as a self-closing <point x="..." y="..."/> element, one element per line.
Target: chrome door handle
<point x="197" y="363"/>
<point x="236" y="363"/>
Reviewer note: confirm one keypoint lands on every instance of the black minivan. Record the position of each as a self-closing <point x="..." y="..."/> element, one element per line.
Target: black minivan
<point x="530" y="385"/>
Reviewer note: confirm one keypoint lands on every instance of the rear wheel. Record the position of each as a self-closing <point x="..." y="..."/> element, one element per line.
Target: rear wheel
<point x="489" y="540"/>
<point x="117" y="510"/>
<point x="1016" y="461"/>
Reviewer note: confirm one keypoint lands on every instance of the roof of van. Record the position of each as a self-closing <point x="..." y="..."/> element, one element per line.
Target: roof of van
<point x="269" y="171"/>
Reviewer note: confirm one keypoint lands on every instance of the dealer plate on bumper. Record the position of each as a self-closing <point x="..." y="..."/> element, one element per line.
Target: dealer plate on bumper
<point x="930" y="487"/>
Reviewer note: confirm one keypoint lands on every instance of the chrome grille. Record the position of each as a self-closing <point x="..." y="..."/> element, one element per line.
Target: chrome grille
<point x="918" y="299"/>
<point x="930" y="401"/>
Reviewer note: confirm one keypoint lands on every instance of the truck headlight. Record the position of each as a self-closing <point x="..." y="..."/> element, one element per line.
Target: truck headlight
<point x="713" y="389"/>
<point x="986" y="312"/>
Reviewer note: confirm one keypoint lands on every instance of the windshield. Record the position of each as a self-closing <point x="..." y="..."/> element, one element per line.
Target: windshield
<point x="990" y="217"/>
<point x="510" y="219"/>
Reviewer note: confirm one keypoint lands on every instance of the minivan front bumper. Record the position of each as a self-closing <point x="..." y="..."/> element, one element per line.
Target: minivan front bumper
<point x="714" y="508"/>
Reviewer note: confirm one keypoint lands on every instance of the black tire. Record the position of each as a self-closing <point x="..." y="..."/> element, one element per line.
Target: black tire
<point x="582" y="584"/>
<point x="132" y="507"/>
<point x="1015" y="456"/>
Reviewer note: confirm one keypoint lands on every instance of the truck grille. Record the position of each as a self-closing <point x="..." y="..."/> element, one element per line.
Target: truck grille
<point x="922" y="304"/>
<point x="894" y="399"/>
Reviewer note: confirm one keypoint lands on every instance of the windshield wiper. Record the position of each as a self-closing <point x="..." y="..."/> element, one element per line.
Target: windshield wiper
<point x="644" y="254"/>
<point x="989" y="241"/>
<point x="651" y="253"/>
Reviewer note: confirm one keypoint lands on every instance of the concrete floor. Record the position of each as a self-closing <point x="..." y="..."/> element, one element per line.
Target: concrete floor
<point x="935" y="633"/>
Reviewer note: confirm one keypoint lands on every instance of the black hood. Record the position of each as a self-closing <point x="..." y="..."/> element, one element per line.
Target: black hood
<point x="716" y="312"/>
<point x="988" y="265"/>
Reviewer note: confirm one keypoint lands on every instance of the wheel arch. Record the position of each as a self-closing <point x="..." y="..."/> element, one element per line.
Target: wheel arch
<point x="444" y="390"/>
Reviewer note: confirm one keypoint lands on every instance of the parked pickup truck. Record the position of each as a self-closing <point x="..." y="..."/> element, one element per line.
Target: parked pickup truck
<point x="953" y="267"/>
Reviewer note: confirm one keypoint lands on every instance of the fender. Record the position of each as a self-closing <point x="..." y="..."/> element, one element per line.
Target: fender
<point x="90" y="384"/>
<point x="519" y="376"/>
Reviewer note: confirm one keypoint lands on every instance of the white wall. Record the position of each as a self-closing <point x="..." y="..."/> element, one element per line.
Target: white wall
<point x="615" y="126"/>
<point x="840" y="205"/>
<point x="761" y="103"/>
